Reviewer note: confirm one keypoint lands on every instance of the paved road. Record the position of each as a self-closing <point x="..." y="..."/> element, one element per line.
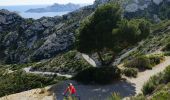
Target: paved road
<point x="28" y="70"/>
<point x="126" y="88"/>
<point x="96" y="92"/>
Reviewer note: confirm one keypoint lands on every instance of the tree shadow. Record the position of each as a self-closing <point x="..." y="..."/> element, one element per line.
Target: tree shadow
<point x="95" y="92"/>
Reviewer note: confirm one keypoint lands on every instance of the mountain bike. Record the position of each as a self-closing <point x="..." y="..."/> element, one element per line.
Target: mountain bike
<point x="73" y="97"/>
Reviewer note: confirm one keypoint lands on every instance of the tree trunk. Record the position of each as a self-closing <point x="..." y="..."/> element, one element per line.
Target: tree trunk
<point x="111" y="60"/>
<point x="100" y="57"/>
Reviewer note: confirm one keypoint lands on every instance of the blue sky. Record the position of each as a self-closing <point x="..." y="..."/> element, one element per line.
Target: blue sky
<point x="41" y="2"/>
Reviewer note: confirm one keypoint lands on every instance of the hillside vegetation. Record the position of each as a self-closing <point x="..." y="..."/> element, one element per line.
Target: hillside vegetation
<point x="19" y="81"/>
<point x="70" y="62"/>
<point x="156" y="42"/>
<point x="104" y="31"/>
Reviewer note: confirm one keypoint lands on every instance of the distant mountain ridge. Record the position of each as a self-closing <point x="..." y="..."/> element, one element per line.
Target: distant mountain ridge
<point x="56" y="8"/>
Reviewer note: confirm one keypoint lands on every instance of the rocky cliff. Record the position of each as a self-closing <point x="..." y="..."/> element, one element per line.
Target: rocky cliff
<point x="23" y="40"/>
<point x="154" y="10"/>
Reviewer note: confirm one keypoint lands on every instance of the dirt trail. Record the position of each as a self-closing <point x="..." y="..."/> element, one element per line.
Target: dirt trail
<point x="35" y="94"/>
<point x="143" y="77"/>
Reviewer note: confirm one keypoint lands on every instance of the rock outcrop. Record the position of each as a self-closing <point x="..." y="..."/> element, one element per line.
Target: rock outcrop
<point x="142" y="8"/>
<point x="23" y="40"/>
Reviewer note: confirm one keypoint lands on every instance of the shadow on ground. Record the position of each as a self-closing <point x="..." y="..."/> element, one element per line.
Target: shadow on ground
<point x="96" y="92"/>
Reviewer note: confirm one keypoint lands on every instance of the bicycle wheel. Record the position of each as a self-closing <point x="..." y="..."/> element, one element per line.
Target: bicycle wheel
<point x="76" y="98"/>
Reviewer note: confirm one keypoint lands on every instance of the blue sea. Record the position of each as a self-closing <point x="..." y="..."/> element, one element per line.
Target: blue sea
<point x="21" y="11"/>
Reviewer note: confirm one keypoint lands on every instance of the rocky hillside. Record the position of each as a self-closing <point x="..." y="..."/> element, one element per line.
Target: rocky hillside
<point x="23" y="40"/>
<point x="155" y="10"/>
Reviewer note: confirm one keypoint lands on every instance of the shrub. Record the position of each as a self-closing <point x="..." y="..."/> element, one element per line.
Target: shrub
<point x="141" y="62"/>
<point x="145" y="62"/>
<point x="156" y="59"/>
<point x="167" y="74"/>
<point x="162" y="95"/>
<point x="106" y="75"/>
<point x="148" y="88"/>
<point x="152" y="84"/>
<point x="167" y="48"/>
<point x="20" y="81"/>
<point x="167" y="53"/>
<point x="103" y="75"/>
<point x="138" y="97"/>
<point x="130" y="72"/>
<point x="114" y="96"/>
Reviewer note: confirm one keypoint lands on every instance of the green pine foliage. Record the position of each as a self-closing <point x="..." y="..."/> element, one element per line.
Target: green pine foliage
<point x="103" y="75"/>
<point x="107" y="30"/>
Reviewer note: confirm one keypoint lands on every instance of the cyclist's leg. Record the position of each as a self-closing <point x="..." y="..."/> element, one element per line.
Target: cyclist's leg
<point x="65" y="97"/>
<point x="75" y="96"/>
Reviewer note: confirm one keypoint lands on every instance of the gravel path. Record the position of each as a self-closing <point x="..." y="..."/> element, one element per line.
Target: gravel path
<point x="143" y="77"/>
<point x="35" y="94"/>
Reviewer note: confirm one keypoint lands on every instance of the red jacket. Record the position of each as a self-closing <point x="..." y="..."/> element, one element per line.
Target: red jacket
<point x="71" y="89"/>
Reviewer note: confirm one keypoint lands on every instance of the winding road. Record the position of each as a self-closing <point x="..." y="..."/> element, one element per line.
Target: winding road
<point x="28" y="70"/>
<point x="125" y="87"/>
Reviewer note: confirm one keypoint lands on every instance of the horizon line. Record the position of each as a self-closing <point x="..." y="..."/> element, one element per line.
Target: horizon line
<point x="44" y="4"/>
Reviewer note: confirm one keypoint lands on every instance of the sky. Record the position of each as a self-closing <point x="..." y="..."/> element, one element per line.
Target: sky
<point x="42" y="2"/>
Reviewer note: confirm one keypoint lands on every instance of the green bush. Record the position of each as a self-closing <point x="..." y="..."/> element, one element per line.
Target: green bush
<point x="141" y="62"/>
<point x="138" y="97"/>
<point x="167" y="74"/>
<point x="153" y="83"/>
<point x="148" y="88"/>
<point x="114" y="96"/>
<point x="167" y="48"/>
<point x="167" y="53"/>
<point x="145" y="62"/>
<point x="158" y="86"/>
<point x="103" y="75"/>
<point x="130" y="72"/>
<point x="20" y="81"/>
<point x="162" y="95"/>
<point x="156" y="59"/>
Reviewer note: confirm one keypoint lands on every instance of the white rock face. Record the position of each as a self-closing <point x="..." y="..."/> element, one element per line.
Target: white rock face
<point x="157" y="1"/>
<point x="132" y="7"/>
<point x="98" y="2"/>
<point x="144" y="6"/>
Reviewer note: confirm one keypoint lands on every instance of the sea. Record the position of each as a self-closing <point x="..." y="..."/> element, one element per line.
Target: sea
<point x="21" y="10"/>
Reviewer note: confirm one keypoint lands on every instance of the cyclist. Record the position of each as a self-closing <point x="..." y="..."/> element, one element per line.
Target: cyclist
<point x="71" y="89"/>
